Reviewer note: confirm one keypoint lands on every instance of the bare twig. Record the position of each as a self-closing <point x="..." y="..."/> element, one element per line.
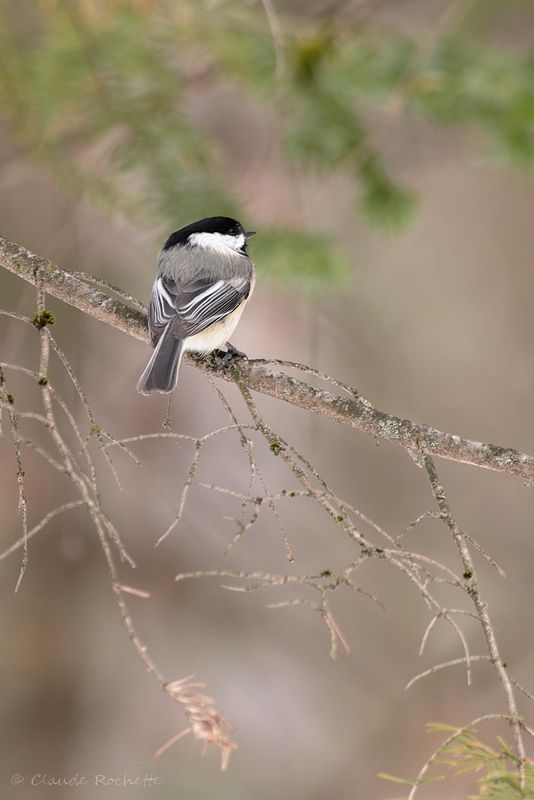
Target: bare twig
<point x="185" y="491"/>
<point x="46" y="519"/>
<point x="23" y="505"/>
<point x="481" y="608"/>
<point x="444" y="665"/>
<point x="276" y="33"/>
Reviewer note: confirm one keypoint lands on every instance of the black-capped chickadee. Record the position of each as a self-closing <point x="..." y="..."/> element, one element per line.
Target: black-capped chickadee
<point x="204" y="280"/>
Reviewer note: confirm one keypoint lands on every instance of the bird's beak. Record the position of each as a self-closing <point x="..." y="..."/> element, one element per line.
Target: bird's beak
<point x="248" y="234"/>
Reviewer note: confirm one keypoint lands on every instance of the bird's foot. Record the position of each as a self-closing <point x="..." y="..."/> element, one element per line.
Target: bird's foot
<point x="233" y="352"/>
<point x="225" y="358"/>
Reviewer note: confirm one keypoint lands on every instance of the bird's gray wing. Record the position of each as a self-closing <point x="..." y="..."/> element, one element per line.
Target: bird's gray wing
<point x="193" y="306"/>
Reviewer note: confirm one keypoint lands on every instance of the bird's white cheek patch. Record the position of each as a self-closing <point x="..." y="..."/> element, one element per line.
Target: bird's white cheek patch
<point x="218" y="242"/>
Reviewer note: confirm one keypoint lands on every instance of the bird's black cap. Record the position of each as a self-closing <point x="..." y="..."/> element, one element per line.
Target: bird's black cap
<point x="224" y="225"/>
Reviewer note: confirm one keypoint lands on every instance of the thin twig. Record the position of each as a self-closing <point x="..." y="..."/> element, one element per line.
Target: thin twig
<point x="40" y="525"/>
<point x="22" y="503"/>
<point x="453" y="662"/>
<point x="481" y="608"/>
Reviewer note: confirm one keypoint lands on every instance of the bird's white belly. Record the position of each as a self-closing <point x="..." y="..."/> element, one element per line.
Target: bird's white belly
<point x="216" y="335"/>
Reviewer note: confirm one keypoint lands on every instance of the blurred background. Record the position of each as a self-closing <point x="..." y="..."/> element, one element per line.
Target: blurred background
<point x="382" y="151"/>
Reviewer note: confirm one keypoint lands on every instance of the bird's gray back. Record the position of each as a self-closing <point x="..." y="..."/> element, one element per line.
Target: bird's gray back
<point x="184" y="264"/>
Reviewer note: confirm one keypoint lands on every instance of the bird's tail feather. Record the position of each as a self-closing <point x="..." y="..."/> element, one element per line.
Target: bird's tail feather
<point x="161" y="372"/>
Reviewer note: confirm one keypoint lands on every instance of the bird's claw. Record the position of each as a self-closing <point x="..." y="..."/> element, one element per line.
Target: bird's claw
<point x="233" y="352"/>
<point x="224" y="358"/>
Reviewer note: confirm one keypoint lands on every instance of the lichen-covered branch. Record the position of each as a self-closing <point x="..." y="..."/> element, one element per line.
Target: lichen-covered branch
<point x="261" y="376"/>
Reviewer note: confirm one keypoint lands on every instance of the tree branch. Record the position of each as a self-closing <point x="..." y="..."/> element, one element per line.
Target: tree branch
<point x="352" y="410"/>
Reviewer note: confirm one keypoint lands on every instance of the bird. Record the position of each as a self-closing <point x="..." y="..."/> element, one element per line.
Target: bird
<point x="204" y="280"/>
